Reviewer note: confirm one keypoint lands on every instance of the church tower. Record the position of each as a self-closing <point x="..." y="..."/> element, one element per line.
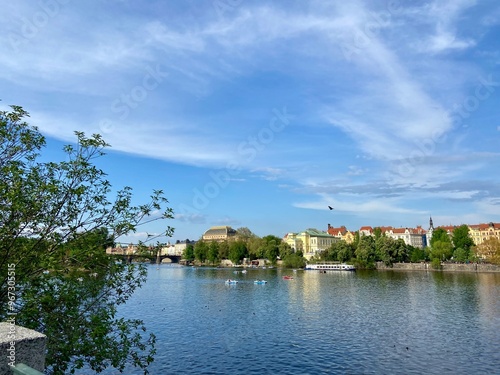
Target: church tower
<point x="429" y="232"/>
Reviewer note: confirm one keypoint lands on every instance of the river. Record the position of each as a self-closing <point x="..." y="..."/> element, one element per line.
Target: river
<point x="363" y="322"/>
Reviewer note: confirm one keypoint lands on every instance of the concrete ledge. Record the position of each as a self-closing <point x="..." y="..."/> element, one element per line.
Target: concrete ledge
<point x="454" y="267"/>
<point x="20" y="345"/>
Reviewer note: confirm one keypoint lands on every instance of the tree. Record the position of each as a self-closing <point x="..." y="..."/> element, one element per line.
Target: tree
<point x="462" y="243"/>
<point x="188" y="253"/>
<point x="294" y="260"/>
<point x="365" y="251"/>
<point x="213" y="252"/>
<point x="440" y="235"/>
<point x="345" y="251"/>
<point x="489" y="250"/>
<point x="56" y="220"/>
<point x="237" y="251"/>
<point x="223" y="250"/>
<point x="201" y="251"/>
<point x="271" y="245"/>
<point x="441" y="250"/>
<point x="244" y="234"/>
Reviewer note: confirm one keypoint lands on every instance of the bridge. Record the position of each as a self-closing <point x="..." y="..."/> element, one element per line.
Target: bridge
<point x="129" y="258"/>
<point x="131" y="252"/>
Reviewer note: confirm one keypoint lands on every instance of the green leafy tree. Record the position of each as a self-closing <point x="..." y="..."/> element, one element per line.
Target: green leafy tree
<point x="345" y="252"/>
<point x="237" y="251"/>
<point x="223" y="250"/>
<point x="284" y="249"/>
<point x="366" y="251"/>
<point x="271" y="246"/>
<point x="244" y="234"/>
<point x="462" y="243"/>
<point x="188" y="253"/>
<point x="56" y="220"/>
<point x="256" y="248"/>
<point x="440" y="235"/>
<point x="213" y="252"/>
<point x="441" y="250"/>
<point x="331" y="253"/>
<point x="201" y="251"/>
<point x="416" y="255"/>
<point x="294" y="260"/>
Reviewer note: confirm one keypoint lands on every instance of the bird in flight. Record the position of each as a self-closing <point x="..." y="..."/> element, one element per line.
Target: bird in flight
<point x="330" y="207"/>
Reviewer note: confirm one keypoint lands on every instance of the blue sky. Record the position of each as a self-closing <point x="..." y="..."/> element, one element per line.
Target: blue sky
<point x="260" y="114"/>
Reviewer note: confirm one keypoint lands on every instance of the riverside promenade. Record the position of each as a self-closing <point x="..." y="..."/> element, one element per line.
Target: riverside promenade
<point x="445" y="266"/>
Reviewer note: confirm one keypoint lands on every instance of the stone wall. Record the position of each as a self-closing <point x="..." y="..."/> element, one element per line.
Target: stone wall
<point x="455" y="267"/>
<point x="20" y="345"/>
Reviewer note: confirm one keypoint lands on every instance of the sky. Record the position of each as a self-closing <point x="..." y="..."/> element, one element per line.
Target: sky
<point x="260" y="114"/>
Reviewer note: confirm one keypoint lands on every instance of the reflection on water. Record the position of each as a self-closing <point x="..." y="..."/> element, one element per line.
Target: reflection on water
<point x="363" y="322"/>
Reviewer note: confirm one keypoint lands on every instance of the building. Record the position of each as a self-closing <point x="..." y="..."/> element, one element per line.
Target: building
<point x="310" y="242"/>
<point x="482" y="232"/>
<point x="366" y="231"/>
<point x="180" y="246"/>
<point x="342" y="233"/>
<point x="415" y="237"/>
<point x="220" y="233"/>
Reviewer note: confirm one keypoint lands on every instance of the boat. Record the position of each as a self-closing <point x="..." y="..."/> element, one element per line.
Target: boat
<point x="260" y="282"/>
<point x="231" y="281"/>
<point x="287" y="277"/>
<point x="330" y="267"/>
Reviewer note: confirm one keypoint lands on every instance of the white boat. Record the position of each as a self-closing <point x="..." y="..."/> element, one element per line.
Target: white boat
<point x="330" y="267"/>
<point x="231" y="281"/>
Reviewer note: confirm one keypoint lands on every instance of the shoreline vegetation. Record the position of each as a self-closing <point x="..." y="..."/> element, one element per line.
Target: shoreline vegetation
<point x="381" y="266"/>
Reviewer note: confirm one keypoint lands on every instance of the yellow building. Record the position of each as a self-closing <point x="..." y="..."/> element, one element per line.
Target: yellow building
<point x="341" y="233"/>
<point x="310" y="242"/>
<point x="482" y="232"/>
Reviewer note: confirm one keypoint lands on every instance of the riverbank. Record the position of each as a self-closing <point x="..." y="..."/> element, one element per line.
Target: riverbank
<point x="453" y="267"/>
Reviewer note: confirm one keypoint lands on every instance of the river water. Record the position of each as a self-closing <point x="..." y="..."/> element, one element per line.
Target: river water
<point x="363" y="322"/>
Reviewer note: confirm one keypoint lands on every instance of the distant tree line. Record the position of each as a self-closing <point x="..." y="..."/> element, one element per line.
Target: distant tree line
<point x="363" y="252"/>
<point x="244" y="245"/>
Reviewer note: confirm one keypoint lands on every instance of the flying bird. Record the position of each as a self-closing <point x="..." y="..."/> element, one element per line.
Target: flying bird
<point x="330" y="207"/>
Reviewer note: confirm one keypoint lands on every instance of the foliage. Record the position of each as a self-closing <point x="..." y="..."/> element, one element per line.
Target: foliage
<point x="271" y="247"/>
<point x="439" y="235"/>
<point x="441" y="250"/>
<point x="436" y="263"/>
<point x="339" y="251"/>
<point x="245" y="234"/>
<point x="489" y="250"/>
<point x="56" y="219"/>
<point x="417" y="255"/>
<point x="201" y="251"/>
<point x="365" y="251"/>
<point x="460" y="255"/>
<point x="462" y="240"/>
<point x="237" y="251"/>
<point x="188" y="253"/>
<point x="294" y="260"/>
<point x="213" y="252"/>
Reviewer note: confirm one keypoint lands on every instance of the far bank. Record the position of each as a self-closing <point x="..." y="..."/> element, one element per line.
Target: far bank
<point x="453" y="267"/>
